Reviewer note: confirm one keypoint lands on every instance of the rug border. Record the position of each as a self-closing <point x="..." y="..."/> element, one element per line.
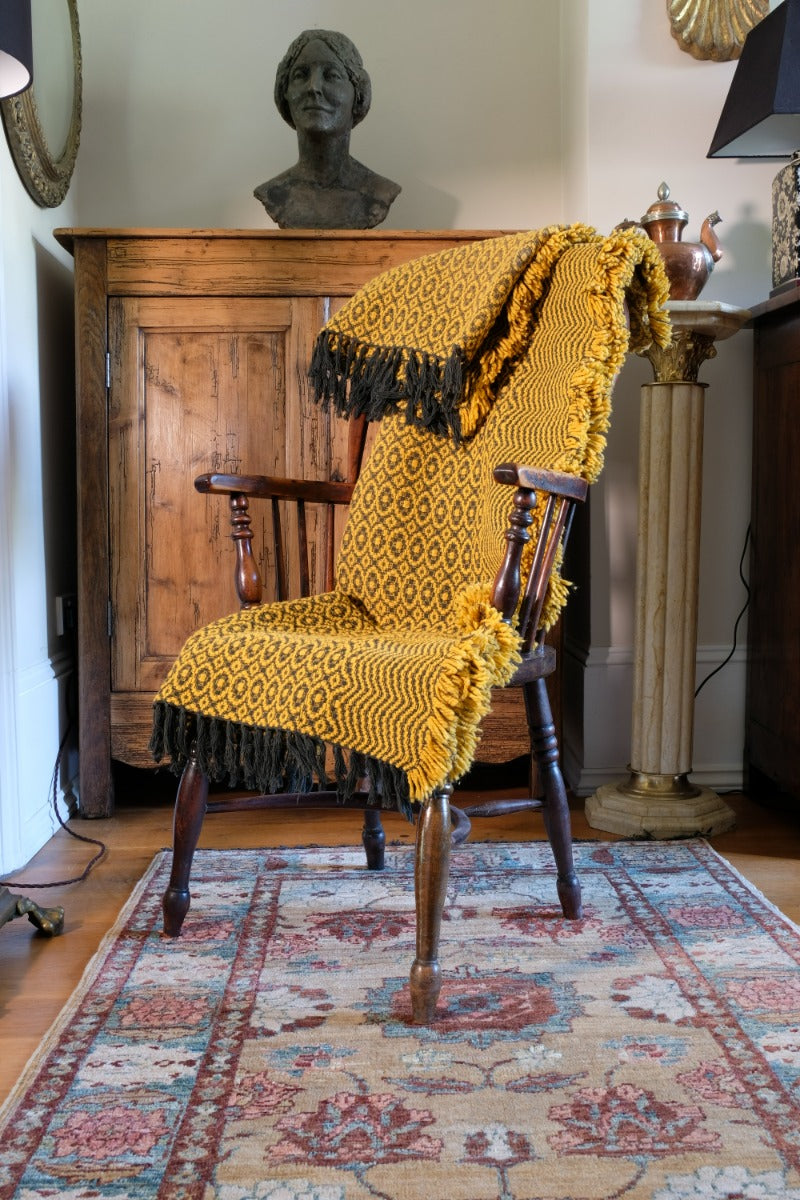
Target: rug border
<point x="95" y="963"/>
<point x="90" y="972"/>
<point x="751" y="887"/>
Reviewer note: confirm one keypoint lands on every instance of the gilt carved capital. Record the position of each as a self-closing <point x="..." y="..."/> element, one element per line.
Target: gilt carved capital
<point x="680" y="361"/>
<point x="696" y="326"/>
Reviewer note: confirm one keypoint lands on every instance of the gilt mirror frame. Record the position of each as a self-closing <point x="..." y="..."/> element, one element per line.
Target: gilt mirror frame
<point x="45" y="170"/>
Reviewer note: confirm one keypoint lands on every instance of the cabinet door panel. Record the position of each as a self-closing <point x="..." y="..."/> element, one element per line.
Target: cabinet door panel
<point x="197" y="385"/>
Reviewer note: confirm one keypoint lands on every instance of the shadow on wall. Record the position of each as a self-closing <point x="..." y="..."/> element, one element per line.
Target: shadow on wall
<point x="422" y="206"/>
<point x="55" y="316"/>
<point x="55" y="319"/>
<point x="744" y="273"/>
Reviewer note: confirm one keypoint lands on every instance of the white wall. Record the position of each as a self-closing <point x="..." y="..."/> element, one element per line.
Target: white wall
<point x="180" y="124"/>
<point x="37" y="522"/>
<point x="503" y="115"/>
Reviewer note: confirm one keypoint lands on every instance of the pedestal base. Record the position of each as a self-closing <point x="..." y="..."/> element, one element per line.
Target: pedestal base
<point x="658" y="806"/>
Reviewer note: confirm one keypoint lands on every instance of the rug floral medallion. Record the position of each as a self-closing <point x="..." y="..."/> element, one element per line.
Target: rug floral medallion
<point x="650" y="1050"/>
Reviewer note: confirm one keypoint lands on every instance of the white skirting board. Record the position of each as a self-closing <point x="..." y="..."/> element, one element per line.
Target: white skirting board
<point x="27" y="820"/>
<point x="596" y="736"/>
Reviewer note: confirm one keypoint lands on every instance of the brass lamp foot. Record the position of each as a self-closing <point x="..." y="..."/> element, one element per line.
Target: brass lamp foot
<point x="663" y="787"/>
<point x="49" y="920"/>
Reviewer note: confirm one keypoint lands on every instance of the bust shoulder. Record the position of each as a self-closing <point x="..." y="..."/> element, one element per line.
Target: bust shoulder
<point x="358" y="199"/>
<point x="381" y="189"/>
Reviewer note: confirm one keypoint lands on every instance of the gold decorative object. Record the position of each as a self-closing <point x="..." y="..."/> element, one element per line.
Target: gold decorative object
<point x="681" y="360"/>
<point x="696" y="327"/>
<point x="714" y="29"/>
<point x="49" y="920"/>
<point x="45" y="170"/>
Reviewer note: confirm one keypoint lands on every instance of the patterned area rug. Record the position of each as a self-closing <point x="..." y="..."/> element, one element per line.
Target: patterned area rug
<point x="651" y="1050"/>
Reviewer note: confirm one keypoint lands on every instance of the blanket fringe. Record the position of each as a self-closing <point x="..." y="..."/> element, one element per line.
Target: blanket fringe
<point x="361" y="380"/>
<point x="271" y="761"/>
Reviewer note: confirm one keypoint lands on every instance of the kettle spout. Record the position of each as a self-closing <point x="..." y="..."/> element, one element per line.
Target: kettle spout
<point x="709" y="238"/>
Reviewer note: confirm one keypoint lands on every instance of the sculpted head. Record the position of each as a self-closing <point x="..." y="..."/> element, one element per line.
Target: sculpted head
<point x="343" y="50"/>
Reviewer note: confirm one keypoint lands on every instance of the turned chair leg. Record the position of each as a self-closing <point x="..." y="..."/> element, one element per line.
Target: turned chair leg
<point x="374" y="839"/>
<point x="555" y="806"/>
<point x="431" y="867"/>
<point x="190" y="808"/>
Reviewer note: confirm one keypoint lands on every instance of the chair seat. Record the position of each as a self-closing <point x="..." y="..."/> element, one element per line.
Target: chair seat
<point x="265" y="689"/>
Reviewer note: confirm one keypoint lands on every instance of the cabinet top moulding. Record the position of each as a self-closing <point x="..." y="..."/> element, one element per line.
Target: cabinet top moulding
<point x="259" y="262"/>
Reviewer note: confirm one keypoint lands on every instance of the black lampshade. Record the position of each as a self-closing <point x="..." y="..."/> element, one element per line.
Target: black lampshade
<point x="761" y="116"/>
<point x="16" y="48"/>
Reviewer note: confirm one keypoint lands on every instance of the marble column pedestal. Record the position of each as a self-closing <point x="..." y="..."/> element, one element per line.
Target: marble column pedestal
<point x="657" y="798"/>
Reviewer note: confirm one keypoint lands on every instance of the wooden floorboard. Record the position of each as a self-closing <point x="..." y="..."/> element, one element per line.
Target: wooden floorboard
<point x="38" y="974"/>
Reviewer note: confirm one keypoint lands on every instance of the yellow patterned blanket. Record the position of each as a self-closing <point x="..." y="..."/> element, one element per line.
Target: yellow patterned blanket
<point x="432" y="338"/>
<point x="509" y="347"/>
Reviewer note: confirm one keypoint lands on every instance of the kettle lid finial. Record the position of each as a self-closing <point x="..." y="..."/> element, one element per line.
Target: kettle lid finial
<point x="665" y="209"/>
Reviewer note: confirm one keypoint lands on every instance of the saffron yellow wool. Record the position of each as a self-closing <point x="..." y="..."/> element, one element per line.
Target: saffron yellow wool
<point x="503" y="350"/>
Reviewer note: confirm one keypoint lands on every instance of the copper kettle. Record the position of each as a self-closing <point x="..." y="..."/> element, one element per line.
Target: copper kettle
<point x="688" y="264"/>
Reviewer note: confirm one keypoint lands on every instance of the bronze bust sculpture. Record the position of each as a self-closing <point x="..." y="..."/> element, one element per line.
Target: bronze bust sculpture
<point x="322" y="90"/>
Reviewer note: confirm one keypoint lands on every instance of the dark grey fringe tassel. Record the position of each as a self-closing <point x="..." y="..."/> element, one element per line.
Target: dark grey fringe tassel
<point x="358" y="380"/>
<point x="270" y="760"/>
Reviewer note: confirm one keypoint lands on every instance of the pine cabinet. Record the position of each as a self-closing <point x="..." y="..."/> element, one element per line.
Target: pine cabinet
<point x="191" y="356"/>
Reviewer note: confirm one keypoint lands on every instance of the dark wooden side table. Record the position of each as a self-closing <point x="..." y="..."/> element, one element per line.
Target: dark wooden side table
<point x="772" y="740"/>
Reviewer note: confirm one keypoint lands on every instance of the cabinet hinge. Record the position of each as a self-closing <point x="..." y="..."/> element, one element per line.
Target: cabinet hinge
<point x="108" y="371"/>
<point x="110" y="620"/>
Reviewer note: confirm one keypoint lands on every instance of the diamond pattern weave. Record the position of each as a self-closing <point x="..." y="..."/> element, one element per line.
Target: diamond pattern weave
<point x="395" y="667"/>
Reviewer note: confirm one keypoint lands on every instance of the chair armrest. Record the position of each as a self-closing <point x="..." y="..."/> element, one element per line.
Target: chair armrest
<point x="287" y="500"/>
<point x="562" y="492"/>
<point x="540" y="479"/>
<point x="279" y="491"/>
<point x="270" y="487"/>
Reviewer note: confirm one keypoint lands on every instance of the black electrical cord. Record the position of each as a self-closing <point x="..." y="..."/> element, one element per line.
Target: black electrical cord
<point x="22" y="883"/>
<point x="744" y="609"/>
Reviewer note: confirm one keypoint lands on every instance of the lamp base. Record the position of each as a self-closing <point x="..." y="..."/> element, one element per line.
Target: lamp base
<point x="786" y="227"/>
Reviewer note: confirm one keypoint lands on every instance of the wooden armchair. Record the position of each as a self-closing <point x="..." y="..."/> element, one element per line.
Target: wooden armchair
<point x="288" y="499"/>
<point x="290" y="540"/>
<point x="371" y="693"/>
